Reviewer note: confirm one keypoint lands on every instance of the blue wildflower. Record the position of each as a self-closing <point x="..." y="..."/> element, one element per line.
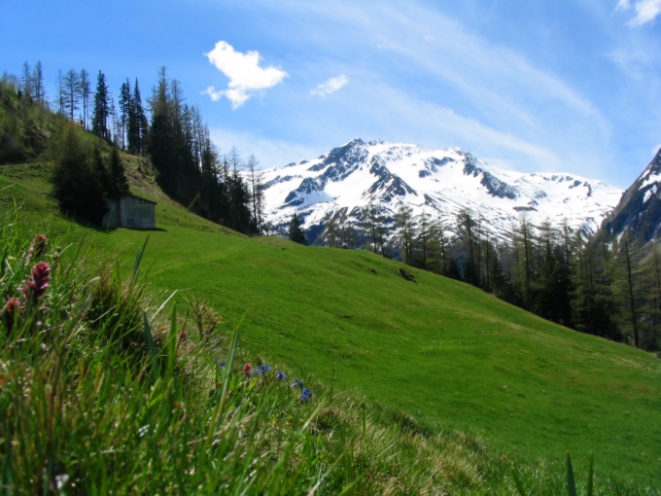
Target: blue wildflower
<point x="219" y="363"/>
<point x="297" y="383"/>
<point x="280" y="376"/>
<point x="261" y="369"/>
<point x="306" y="394"/>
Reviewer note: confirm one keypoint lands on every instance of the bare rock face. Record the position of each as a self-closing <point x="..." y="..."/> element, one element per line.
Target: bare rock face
<point x="638" y="214"/>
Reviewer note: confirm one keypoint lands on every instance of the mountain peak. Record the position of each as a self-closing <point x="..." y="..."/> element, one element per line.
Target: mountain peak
<point x="439" y="182"/>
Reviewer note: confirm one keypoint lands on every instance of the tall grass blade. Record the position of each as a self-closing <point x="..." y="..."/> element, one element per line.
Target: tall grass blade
<point x="591" y="476"/>
<point x="151" y="346"/>
<point x="230" y="358"/>
<point x="138" y="259"/>
<point x="172" y="342"/>
<point x="571" y="483"/>
<point x="226" y="378"/>
<point x="160" y="308"/>
<point x="7" y="482"/>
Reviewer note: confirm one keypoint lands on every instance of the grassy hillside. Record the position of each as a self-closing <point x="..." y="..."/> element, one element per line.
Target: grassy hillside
<point x="441" y="351"/>
<point x="436" y="348"/>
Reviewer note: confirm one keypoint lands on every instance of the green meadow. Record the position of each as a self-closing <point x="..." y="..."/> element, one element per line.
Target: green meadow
<point x="434" y="355"/>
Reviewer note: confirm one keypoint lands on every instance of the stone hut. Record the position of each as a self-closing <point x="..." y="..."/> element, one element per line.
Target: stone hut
<point x="131" y="212"/>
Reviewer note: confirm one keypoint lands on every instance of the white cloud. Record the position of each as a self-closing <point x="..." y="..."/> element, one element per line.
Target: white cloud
<point x="244" y="73"/>
<point x="646" y="10"/>
<point x="330" y="86"/>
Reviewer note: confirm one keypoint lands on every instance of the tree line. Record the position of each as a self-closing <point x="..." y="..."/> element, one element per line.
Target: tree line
<point x="170" y="133"/>
<point x="563" y="275"/>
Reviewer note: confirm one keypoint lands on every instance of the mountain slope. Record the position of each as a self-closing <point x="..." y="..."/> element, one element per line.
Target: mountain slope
<point x="638" y="214"/>
<point x="439" y="182"/>
<point x="437" y="349"/>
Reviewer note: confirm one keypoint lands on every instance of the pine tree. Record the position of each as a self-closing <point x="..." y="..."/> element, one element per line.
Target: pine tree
<point x="162" y="146"/>
<point x="77" y="185"/>
<point x="124" y="113"/>
<point x="138" y="125"/>
<point x="239" y="217"/>
<point x="296" y="232"/>
<point x="101" y="108"/>
<point x="120" y="183"/>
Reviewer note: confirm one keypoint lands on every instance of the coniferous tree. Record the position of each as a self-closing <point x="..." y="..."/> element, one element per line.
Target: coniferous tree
<point x="77" y="186"/>
<point x="466" y="229"/>
<point x="348" y="237"/>
<point x="163" y="137"/>
<point x="437" y="257"/>
<point x="405" y="232"/>
<point x="138" y="126"/>
<point x="38" y="83"/>
<point x="551" y="287"/>
<point x="376" y="229"/>
<point x="422" y="242"/>
<point x="256" y="194"/>
<point x="623" y="283"/>
<point x="239" y="203"/>
<point x="524" y="266"/>
<point x="61" y="97"/>
<point x="84" y="88"/>
<point x="120" y="183"/>
<point x="27" y="82"/>
<point x="124" y="113"/>
<point x="71" y="93"/>
<point x="331" y="235"/>
<point x="296" y="232"/>
<point x="592" y="302"/>
<point x="101" y="108"/>
<point x="649" y="282"/>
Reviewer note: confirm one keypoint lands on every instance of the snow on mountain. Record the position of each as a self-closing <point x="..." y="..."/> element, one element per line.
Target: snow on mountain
<point x="639" y="211"/>
<point x="439" y="182"/>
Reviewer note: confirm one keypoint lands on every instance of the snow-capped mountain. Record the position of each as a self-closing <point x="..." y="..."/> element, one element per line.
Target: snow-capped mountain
<point x="639" y="211"/>
<point x="441" y="183"/>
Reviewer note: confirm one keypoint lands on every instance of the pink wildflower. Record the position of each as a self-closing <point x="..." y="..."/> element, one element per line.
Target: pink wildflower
<point x="11" y="310"/>
<point x="37" y="248"/>
<point x="39" y="244"/>
<point x="247" y="369"/>
<point x="36" y="286"/>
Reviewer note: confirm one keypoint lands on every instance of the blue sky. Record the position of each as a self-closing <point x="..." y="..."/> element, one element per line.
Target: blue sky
<point x="568" y="85"/>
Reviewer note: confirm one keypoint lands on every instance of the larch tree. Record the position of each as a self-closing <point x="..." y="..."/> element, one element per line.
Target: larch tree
<point x="85" y="92"/>
<point x="71" y="93"/>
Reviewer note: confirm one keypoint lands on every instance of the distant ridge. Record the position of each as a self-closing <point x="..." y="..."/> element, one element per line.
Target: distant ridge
<point x="440" y="182"/>
<point x="638" y="214"/>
